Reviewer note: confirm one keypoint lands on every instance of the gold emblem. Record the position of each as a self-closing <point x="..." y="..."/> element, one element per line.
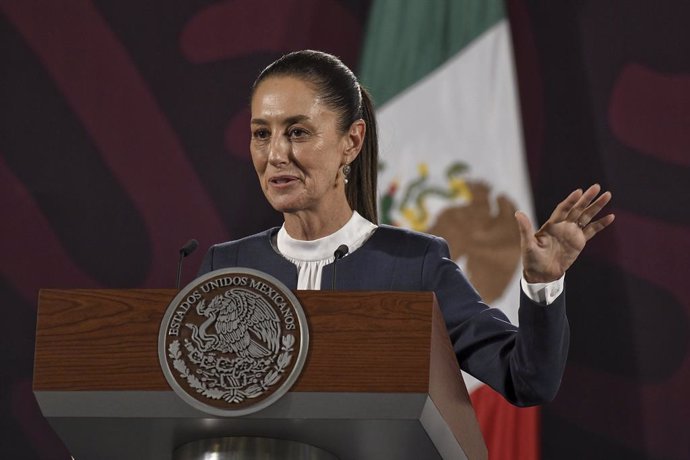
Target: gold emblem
<point x="479" y="229"/>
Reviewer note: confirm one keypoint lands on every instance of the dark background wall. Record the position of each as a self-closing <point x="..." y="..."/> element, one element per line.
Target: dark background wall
<point x="123" y="133"/>
<point x="606" y="97"/>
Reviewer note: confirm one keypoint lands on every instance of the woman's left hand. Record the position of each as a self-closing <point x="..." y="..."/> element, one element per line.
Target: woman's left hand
<point x="549" y="252"/>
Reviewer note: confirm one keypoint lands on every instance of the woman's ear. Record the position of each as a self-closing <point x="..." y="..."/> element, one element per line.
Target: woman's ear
<point x="354" y="140"/>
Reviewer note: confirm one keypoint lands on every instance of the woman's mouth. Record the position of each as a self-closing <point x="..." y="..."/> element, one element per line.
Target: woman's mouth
<point x="282" y="181"/>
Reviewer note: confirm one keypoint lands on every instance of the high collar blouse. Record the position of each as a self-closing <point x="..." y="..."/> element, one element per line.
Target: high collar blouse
<point x="311" y="256"/>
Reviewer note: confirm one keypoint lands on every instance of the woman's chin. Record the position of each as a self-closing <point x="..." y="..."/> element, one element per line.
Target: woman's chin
<point x="285" y="206"/>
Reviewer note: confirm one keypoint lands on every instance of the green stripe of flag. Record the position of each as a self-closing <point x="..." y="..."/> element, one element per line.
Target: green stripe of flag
<point x="408" y="39"/>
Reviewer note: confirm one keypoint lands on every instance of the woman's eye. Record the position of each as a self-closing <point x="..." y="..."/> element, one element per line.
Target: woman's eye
<point x="260" y="134"/>
<point x="296" y="133"/>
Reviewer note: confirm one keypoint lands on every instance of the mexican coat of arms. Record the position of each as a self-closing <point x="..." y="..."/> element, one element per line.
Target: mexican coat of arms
<point x="233" y="341"/>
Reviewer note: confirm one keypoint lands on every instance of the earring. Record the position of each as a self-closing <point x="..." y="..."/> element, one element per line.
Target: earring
<point x="346" y="173"/>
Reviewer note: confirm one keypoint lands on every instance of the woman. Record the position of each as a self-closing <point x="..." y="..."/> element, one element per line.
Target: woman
<point x="314" y="148"/>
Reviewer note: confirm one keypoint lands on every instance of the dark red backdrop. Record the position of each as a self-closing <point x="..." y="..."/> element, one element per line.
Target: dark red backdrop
<point x="123" y="132"/>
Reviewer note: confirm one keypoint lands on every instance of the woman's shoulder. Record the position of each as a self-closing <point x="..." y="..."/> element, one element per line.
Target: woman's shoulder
<point x="252" y="244"/>
<point x="399" y="233"/>
<point x="238" y="252"/>
<point x="403" y="238"/>
<point x="257" y="238"/>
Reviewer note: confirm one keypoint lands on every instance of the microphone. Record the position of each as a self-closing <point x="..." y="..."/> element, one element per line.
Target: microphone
<point x="339" y="254"/>
<point x="185" y="250"/>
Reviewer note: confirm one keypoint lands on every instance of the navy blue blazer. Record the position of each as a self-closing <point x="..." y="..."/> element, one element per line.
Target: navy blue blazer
<point x="525" y="365"/>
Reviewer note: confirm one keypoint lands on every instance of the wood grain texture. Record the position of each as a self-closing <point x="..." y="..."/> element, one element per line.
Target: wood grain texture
<point x="98" y="340"/>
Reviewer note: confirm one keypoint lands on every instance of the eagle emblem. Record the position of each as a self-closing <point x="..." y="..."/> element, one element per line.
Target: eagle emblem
<point x="231" y="340"/>
<point x="242" y="323"/>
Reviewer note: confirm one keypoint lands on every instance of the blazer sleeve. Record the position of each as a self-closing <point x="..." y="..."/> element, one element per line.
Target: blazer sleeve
<point x="524" y="364"/>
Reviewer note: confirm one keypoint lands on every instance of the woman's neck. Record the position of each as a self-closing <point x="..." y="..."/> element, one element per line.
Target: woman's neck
<point x="308" y="226"/>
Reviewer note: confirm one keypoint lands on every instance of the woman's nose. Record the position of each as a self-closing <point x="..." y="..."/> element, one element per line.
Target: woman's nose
<point x="279" y="152"/>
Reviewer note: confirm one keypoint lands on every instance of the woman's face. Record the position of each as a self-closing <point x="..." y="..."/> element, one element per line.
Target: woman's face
<point x="296" y="147"/>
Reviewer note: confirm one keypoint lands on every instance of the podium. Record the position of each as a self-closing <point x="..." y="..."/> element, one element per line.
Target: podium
<point x="380" y="381"/>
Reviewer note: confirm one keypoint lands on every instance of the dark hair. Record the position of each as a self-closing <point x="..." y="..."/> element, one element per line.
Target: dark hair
<point x="337" y="85"/>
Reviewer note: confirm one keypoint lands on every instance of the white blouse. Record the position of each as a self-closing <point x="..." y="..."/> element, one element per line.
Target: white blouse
<point x="311" y="256"/>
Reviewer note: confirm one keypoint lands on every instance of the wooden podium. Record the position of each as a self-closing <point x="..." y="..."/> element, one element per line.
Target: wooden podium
<point x="380" y="381"/>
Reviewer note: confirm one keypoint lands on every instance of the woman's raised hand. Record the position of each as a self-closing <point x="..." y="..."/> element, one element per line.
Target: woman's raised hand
<point x="551" y="250"/>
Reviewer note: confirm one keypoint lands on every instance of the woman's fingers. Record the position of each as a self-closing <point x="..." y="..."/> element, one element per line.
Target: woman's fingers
<point x="598" y="225"/>
<point x="591" y="211"/>
<point x="525" y="227"/>
<point x="576" y="212"/>
<point x="579" y="208"/>
<point x="565" y="207"/>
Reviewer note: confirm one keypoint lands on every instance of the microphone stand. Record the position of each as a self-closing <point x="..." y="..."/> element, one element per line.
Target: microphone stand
<point x="184" y="252"/>
<point x="338" y="254"/>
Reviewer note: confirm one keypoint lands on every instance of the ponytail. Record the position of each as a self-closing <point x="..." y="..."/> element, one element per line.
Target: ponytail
<point x="361" y="189"/>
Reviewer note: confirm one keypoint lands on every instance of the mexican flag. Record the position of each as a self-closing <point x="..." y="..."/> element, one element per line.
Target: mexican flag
<point x="452" y="163"/>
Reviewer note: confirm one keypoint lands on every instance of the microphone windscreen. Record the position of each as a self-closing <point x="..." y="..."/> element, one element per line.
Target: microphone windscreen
<point x="189" y="248"/>
<point x="341" y="251"/>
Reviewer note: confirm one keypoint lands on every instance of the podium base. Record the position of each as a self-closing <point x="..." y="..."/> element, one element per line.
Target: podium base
<point x="249" y="448"/>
